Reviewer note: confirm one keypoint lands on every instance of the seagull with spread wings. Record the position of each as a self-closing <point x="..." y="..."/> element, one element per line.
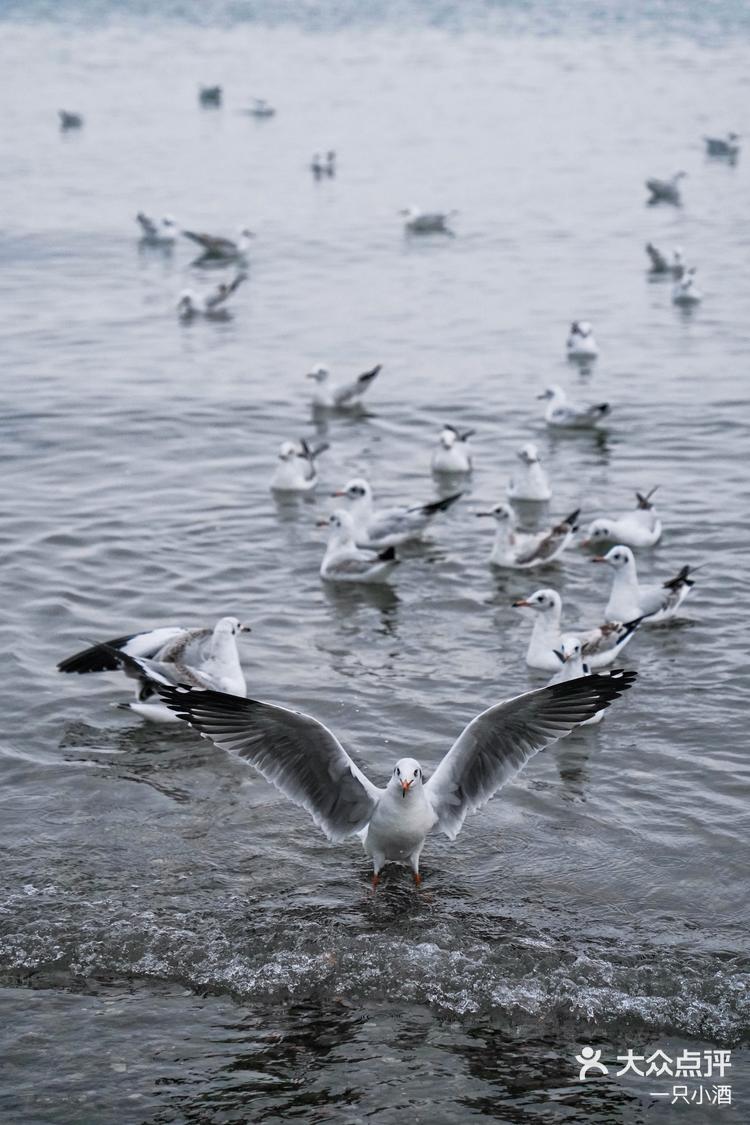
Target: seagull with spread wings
<point x="305" y="760"/>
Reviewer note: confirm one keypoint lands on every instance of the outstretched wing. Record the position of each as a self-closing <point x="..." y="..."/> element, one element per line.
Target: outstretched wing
<point x="359" y="386"/>
<point x="100" y="658"/>
<point x="499" y="742"/>
<point x="148" y="226"/>
<point x="295" y="752"/>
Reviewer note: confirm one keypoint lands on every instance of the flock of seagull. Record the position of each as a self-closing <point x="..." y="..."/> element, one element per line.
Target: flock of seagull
<point x="194" y="675"/>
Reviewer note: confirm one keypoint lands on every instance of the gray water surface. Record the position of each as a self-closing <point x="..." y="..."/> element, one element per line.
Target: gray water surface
<point x="177" y="942"/>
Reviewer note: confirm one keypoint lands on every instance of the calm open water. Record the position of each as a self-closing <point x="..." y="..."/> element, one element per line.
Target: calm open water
<point x="177" y="943"/>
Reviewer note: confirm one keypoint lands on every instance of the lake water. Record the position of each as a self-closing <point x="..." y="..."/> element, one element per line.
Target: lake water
<point x="177" y="942"/>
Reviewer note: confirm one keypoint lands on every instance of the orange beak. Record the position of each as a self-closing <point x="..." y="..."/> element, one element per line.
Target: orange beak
<point x="338" y="492"/>
<point x="405" y="787"/>
<point x="598" y="558"/>
<point x="322" y="523"/>
<point x="520" y="602"/>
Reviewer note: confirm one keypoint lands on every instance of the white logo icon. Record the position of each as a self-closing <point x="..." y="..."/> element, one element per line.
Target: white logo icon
<point x="590" y="1059"/>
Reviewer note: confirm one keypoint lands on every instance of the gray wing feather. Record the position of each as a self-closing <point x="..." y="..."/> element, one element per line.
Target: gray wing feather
<point x="499" y="742"/>
<point x="295" y="752"/>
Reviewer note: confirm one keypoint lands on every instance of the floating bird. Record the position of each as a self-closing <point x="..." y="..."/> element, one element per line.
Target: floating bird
<point x="600" y="645"/>
<point x="629" y="599"/>
<point x="452" y="454"/>
<point x="191" y="304"/>
<point x="573" y="668"/>
<point x="580" y="344"/>
<point x="427" y="222"/>
<point x="389" y="527"/>
<point x="323" y="166"/>
<point x="261" y="108"/>
<point x="210" y="95"/>
<point x="157" y="232"/>
<point x="201" y="657"/>
<point x="224" y="249"/>
<point x="69" y="120"/>
<point x="685" y="291"/>
<point x="639" y="528"/>
<point x="330" y="396"/>
<point x="297" y="471"/>
<point x="661" y="264"/>
<point x="728" y="146"/>
<point x="518" y="550"/>
<point x="530" y="482"/>
<point x="308" y="764"/>
<point x="345" y="561"/>
<point x="666" y="191"/>
<point x="571" y="415"/>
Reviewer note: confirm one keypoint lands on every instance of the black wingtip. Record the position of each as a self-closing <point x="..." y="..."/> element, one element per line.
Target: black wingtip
<point x="96" y="658"/>
<point x="388" y="555"/>
<point x="368" y="376"/>
<point x="680" y="579"/>
<point x="441" y="505"/>
<point x="571" y="519"/>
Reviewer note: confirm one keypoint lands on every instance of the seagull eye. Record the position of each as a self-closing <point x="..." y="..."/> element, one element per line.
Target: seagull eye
<point x="398" y="772"/>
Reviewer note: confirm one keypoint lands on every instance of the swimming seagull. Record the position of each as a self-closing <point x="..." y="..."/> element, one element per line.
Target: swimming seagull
<point x="261" y="108"/>
<point x="330" y="396"/>
<point x="519" y="550"/>
<point x="191" y="304"/>
<point x="308" y="764"/>
<point x="599" y="646"/>
<point x="210" y="95"/>
<point x="69" y="120"/>
<point x="345" y="561"/>
<point x="665" y="191"/>
<point x="157" y="232"/>
<point x="639" y="528"/>
<point x="567" y="415"/>
<point x="427" y="222"/>
<point x="685" y="291"/>
<point x="297" y="471"/>
<point x="629" y="599"/>
<point x="661" y="264"/>
<point x="573" y="668"/>
<point x="580" y="344"/>
<point x="728" y="146"/>
<point x="452" y="454"/>
<point x="389" y="527"/>
<point x="224" y="249"/>
<point x="320" y="166"/>
<point x="201" y="657"/>
<point x="530" y="481"/>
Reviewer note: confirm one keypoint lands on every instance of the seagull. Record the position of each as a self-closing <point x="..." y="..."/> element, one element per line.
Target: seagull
<point x="297" y="471"/>
<point x="452" y="455"/>
<point x="651" y="603"/>
<point x="308" y="764"/>
<point x="581" y="343"/>
<point x="211" y="304"/>
<point x="723" y="146"/>
<point x="571" y="415"/>
<point x="427" y="222"/>
<point x="157" y="232"/>
<point x="389" y="527"/>
<point x="329" y="396"/>
<point x="210" y="95"/>
<point x="519" y="550"/>
<point x="599" y="645"/>
<point x="261" y="108"/>
<point x="201" y="657"/>
<point x="224" y="249"/>
<point x="345" y="561"/>
<point x="666" y="191"/>
<point x="531" y="482"/>
<point x="573" y="668"/>
<point x="661" y="264"/>
<point x="69" y="120"/>
<point x="320" y="166"/>
<point x="685" y="291"/>
<point x="639" y="528"/>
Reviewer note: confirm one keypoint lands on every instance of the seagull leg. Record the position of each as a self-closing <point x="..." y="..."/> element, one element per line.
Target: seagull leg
<point x="417" y="879"/>
<point x="377" y="867"/>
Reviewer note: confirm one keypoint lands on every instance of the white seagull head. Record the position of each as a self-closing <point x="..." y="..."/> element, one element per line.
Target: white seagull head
<point x="230" y="627"/>
<point x="319" y="373"/>
<point x="569" y="650"/>
<point x="503" y="514"/>
<point x="618" y="558"/>
<point x="355" y="491"/>
<point x="600" y="531"/>
<point x="528" y="454"/>
<point x="287" y="451"/>
<point x="406" y="777"/>
<point x="541" y="601"/>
